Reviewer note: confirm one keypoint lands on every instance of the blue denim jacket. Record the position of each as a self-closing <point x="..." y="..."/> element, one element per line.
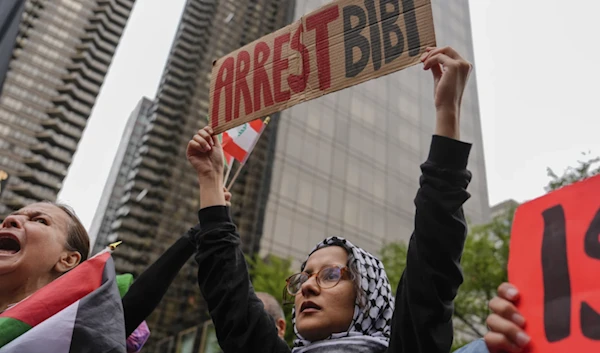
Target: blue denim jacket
<point x="474" y="347"/>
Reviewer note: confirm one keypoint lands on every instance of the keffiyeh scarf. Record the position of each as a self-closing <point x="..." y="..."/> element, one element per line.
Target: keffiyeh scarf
<point x="370" y="329"/>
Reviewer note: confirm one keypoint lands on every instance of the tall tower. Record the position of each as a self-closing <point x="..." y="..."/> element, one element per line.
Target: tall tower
<point x="106" y="212"/>
<point x="160" y="198"/>
<point x="348" y="163"/>
<point x="63" y="51"/>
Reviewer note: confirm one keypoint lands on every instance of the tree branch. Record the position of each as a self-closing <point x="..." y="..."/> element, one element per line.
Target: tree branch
<point x="469" y="325"/>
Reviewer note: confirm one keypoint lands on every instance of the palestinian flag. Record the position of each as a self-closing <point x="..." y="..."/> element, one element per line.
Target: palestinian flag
<point x="239" y="141"/>
<point x="79" y="312"/>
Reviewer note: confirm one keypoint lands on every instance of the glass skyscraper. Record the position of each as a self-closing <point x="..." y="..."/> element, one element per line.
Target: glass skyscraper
<point x="62" y="53"/>
<point x="348" y="163"/>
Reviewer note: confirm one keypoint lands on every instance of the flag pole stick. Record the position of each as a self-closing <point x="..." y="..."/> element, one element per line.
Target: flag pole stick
<point x="229" y="167"/>
<point x="237" y="173"/>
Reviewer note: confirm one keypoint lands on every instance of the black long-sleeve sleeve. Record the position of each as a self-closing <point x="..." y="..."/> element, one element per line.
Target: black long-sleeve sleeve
<point x="241" y="323"/>
<point x="422" y="321"/>
<point x="147" y="290"/>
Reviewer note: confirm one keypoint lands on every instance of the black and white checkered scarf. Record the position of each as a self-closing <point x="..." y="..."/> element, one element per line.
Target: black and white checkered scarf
<point x="370" y="329"/>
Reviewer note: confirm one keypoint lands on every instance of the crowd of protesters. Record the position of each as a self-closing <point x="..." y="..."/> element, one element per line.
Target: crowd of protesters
<point x="343" y="300"/>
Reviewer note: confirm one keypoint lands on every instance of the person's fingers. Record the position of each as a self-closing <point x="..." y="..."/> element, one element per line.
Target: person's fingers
<point x="227" y="196"/>
<point x="448" y="51"/>
<point x="426" y="53"/>
<point x="498" y="343"/>
<point x="507" y="310"/>
<point x="508" y="292"/>
<point x="203" y="138"/>
<point x="448" y="63"/>
<point x="195" y="146"/>
<point x="513" y="333"/>
<point x="204" y="145"/>
<point x="437" y="59"/>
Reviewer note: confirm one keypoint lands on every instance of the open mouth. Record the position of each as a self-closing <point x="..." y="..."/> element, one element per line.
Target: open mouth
<point x="309" y="307"/>
<point x="9" y="244"/>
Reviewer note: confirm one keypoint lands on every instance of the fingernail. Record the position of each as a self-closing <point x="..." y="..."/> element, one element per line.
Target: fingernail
<point x="511" y="293"/>
<point x="522" y="339"/>
<point x="518" y="319"/>
<point x="424" y="55"/>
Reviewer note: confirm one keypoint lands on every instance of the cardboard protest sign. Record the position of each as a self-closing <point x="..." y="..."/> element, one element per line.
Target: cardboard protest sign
<point x="554" y="261"/>
<point x="342" y="44"/>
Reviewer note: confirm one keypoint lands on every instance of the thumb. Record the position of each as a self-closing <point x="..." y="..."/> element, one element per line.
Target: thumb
<point x="437" y="72"/>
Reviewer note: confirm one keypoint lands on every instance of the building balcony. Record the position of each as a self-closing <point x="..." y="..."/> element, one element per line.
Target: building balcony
<point x="101" y="19"/>
<point x="73" y="105"/>
<point x="172" y="80"/>
<point x="63" y="114"/>
<point x="165" y="98"/>
<point x="148" y="218"/>
<point x="175" y="71"/>
<point x="40" y="163"/>
<point x="159" y="131"/>
<point x="35" y="179"/>
<point x="150" y="204"/>
<point x="61" y="128"/>
<point x="75" y="92"/>
<point x="56" y="140"/>
<point x="132" y="225"/>
<point x="167" y="116"/>
<point x="153" y="140"/>
<point x="90" y="62"/>
<point x="118" y="8"/>
<point x="15" y="201"/>
<point x="48" y="151"/>
<point x="85" y="72"/>
<point x="97" y="48"/>
<point x="151" y="177"/>
<point x="158" y="154"/>
<point x="34" y="192"/>
<point x="117" y="17"/>
<point x="103" y="37"/>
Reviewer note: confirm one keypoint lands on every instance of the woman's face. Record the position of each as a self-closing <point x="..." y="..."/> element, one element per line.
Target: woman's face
<point x="322" y="312"/>
<point x="32" y="243"/>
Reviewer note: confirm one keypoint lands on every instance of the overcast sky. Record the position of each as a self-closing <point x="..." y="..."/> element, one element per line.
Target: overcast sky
<point x="538" y="86"/>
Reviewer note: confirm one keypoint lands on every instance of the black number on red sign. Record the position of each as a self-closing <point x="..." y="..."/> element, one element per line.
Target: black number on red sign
<point x="555" y="271"/>
<point x="557" y="282"/>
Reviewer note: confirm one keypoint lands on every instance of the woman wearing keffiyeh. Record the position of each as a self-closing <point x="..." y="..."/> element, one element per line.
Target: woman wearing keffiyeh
<point x="342" y="297"/>
<point x="371" y="312"/>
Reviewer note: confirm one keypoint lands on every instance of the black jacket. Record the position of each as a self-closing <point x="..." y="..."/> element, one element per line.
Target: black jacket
<point x="422" y="320"/>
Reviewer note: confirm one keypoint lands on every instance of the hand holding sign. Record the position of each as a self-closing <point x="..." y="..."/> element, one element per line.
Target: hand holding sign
<point x="554" y="255"/>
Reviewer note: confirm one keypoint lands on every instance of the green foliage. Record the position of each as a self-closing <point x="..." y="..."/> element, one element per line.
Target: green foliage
<point x="583" y="170"/>
<point x="393" y="257"/>
<point x="269" y="275"/>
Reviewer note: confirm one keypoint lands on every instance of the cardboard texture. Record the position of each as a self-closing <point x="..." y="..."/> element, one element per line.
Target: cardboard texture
<point x="554" y="261"/>
<point x="342" y="44"/>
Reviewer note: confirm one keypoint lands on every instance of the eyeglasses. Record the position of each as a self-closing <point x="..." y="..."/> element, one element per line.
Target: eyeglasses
<point x="327" y="277"/>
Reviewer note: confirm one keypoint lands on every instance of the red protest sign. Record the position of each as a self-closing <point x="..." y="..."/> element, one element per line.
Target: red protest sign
<point x="344" y="43"/>
<point x="555" y="261"/>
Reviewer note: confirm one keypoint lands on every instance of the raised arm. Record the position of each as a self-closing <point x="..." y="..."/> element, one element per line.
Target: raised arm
<point x="241" y="323"/>
<point x="422" y="320"/>
<point x="149" y="288"/>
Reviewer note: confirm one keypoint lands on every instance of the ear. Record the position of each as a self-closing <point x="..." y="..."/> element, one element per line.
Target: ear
<point x="67" y="261"/>
<point x="281" y="327"/>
